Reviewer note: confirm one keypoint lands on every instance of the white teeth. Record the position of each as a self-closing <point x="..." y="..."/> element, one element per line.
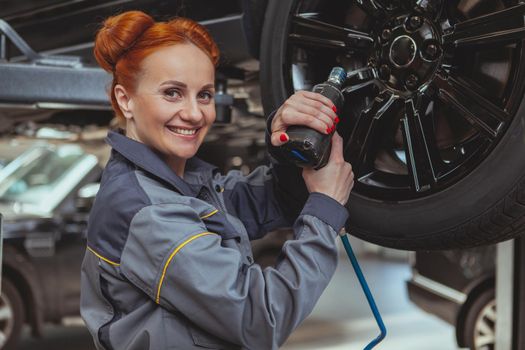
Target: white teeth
<point x="184" y="131"/>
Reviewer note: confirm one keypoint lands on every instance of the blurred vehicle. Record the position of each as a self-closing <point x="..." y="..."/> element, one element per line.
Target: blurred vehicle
<point x="458" y="286"/>
<point x="45" y="193"/>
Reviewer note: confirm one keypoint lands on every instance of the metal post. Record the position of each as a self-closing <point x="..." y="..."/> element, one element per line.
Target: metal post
<point x="504" y="294"/>
<point x="510" y="295"/>
<point x="519" y="294"/>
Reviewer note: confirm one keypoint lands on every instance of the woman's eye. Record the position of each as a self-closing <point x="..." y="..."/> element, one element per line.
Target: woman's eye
<point x="173" y="93"/>
<point x="206" y="96"/>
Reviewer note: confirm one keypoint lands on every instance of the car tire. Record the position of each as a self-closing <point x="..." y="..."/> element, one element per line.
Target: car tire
<point x="486" y="205"/>
<point x="480" y="322"/>
<point x="11" y="315"/>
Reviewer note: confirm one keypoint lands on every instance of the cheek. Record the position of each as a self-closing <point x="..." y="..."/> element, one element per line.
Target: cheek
<point x="211" y="114"/>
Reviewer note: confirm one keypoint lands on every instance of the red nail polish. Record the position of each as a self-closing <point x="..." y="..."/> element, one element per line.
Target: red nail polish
<point x="336" y="120"/>
<point x="283" y="137"/>
<point x="328" y="130"/>
<point x="334" y="108"/>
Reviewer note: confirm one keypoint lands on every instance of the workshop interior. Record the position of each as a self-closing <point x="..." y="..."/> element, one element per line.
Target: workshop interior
<point x="430" y="96"/>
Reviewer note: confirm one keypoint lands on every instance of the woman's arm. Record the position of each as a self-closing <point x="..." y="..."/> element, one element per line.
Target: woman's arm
<point x="269" y="197"/>
<point x="272" y="197"/>
<point x="173" y="259"/>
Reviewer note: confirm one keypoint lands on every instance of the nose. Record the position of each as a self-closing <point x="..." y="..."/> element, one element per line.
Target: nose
<point x="191" y="112"/>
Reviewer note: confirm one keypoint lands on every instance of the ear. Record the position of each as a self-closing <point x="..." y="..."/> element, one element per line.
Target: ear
<point x="124" y="101"/>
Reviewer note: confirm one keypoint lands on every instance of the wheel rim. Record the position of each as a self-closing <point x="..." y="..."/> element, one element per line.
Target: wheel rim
<point x="485" y="328"/>
<point x="442" y="82"/>
<point x="6" y="319"/>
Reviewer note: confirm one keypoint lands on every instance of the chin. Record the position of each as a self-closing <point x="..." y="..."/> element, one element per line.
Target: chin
<point x="184" y="154"/>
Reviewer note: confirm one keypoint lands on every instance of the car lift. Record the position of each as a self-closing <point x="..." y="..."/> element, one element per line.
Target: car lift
<point x="52" y="82"/>
<point x="510" y="295"/>
<point x="36" y="81"/>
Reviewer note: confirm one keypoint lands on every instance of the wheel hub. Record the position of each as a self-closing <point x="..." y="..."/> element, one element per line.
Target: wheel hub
<point x="402" y="51"/>
<point x="408" y="53"/>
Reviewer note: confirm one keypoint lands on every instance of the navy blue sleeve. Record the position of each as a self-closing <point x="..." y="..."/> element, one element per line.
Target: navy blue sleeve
<point x="270" y="197"/>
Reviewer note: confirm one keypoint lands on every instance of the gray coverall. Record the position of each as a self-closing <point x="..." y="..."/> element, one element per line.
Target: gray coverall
<point x="169" y="262"/>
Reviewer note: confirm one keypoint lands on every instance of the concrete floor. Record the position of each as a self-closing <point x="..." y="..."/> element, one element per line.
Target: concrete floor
<point x="341" y="319"/>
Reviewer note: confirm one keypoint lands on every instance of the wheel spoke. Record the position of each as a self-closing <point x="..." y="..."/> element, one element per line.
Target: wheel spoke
<point x="369" y="6"/>
<point x="490" y="314"/>
<point x="477" y="110"/>
<point x="314" y="33"/>
<point x="484" y="340"/>
<point x="360" y="78"/>
<point x="366" y="131"/>
<point x="500" y="27"/>
<point x="5" y="313"/>
<point x="419" y="150"/>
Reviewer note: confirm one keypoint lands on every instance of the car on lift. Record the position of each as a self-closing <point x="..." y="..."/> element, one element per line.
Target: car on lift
<point x="434" y="115"/>
<point x="434" y="105"/>
<point x="458" y="286"/>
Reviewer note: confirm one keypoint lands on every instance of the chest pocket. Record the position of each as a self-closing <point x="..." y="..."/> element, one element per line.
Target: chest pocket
<point x="216" y="222"/>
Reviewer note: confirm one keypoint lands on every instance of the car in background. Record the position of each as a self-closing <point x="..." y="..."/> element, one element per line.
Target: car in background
<point x="458" y="286"/>
<point x="44" y="197"/>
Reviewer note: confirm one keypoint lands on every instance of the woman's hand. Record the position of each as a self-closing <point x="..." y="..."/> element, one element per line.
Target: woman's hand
<point x="303" y="108"/>
<point x="336" y="179"/>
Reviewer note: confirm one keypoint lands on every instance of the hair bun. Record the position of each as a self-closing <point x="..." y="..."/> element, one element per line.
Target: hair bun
<point x="117" y="35"/>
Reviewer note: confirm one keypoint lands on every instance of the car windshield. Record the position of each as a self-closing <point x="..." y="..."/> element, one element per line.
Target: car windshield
<point x="32" y="177"/>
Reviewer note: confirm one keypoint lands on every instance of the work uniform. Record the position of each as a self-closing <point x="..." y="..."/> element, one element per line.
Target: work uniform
<point x="169" y="263"/>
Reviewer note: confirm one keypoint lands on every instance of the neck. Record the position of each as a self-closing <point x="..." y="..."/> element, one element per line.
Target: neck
<point x="177" y="165"/>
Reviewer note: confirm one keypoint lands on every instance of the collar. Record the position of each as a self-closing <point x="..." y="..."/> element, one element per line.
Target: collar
<point x="147" y="159"/>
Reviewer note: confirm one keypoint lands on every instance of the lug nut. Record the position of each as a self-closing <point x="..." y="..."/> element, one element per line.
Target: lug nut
<point x="431" y="51"/>
<point x="384" y="72"/>
<point x="386" y="34"/>
<point x="415" y="22"/>
<point x="412" y="81"/>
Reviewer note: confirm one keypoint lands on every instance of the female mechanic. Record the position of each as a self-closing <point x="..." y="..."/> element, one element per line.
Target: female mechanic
<point x="168" y="263"/>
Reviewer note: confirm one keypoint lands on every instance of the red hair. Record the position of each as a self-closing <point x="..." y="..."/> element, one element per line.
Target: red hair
<point x="126" y="39"/>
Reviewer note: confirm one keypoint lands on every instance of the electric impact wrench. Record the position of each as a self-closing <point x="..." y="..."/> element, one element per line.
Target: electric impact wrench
<point x="309" y="148"/>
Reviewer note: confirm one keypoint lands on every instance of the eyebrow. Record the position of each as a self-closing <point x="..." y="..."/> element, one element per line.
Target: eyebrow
<point x="182" y="85"/>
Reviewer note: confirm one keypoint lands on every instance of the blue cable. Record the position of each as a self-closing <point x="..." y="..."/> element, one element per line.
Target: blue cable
<point x="367" y="292"/>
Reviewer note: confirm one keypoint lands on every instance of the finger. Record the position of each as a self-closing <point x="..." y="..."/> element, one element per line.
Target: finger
<point x="318" y="97"/>
<point x="312" y="111"/>
<point x="298" y="118"/>
<point x="336" y="153"/>
<point x="319" y="106"/>
<point x="279" y="138"/>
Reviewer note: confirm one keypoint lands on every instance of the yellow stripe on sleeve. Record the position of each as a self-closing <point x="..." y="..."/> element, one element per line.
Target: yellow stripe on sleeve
<point x="179" y="247"/>
<point x="101" y="257"/>
<point x="209" y="214"/>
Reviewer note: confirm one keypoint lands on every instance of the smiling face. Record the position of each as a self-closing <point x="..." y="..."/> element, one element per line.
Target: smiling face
<point x="172" y="108"/>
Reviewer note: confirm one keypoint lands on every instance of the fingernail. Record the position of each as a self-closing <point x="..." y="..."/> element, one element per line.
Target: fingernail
<point x="336" y="120"/>
<point x="334" y="108"/>
<point x="328" y="130"/>
<point x="283" y="137"/>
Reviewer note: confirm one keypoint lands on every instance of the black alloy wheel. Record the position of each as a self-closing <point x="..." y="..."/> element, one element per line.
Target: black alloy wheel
<point x="433" y="122"/>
